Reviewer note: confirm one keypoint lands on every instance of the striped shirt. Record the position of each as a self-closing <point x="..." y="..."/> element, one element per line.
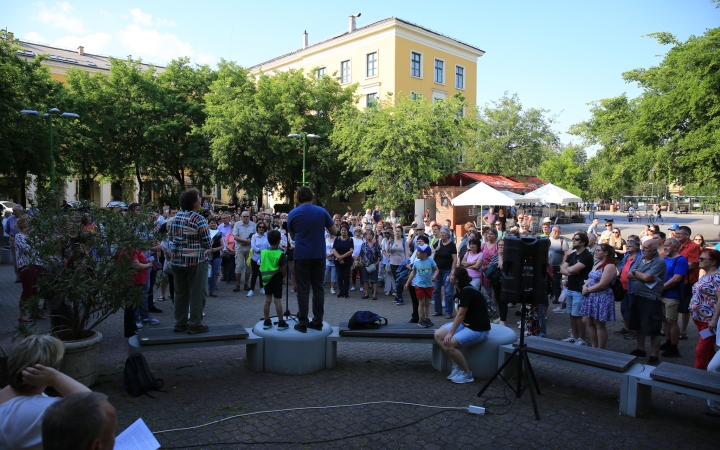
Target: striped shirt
<point x="189" y="237"/>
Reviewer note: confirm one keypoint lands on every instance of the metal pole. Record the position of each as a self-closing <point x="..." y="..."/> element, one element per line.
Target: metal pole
<point x="304" y="139"/>
<point x="52" y="157"/>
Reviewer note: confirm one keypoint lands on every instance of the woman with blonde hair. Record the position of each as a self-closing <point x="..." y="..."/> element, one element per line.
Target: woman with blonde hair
<point x="31" y="369"/>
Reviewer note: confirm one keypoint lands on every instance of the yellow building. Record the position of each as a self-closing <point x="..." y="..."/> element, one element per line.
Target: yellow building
<point x="389" y="56"/>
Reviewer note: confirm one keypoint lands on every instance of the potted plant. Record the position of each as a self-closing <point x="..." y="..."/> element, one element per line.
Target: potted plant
<point x="87" y="277"/>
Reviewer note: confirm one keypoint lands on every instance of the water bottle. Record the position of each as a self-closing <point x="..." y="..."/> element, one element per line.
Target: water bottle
<point x="145" y="332"/>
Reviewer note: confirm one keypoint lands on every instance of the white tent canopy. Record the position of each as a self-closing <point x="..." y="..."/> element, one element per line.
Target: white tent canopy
<point x="553" y="194"/>
<point x="482" y="194"/>
<point x="521" y="198"/>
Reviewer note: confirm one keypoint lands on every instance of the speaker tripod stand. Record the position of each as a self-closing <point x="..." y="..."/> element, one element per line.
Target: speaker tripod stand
<point x="523" y="361"/>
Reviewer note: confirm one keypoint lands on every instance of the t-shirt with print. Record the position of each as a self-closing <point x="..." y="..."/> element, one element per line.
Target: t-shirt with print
<point x="423" y="273"/>
<point x="675" y="266"/>
<point x="703" y="303"/>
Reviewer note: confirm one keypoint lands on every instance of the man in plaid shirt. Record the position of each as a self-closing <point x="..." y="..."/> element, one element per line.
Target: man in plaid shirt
<point x="190" y="246"/>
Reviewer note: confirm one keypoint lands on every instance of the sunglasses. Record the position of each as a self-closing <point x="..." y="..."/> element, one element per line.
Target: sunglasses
<point x="702" y="259"/>
<point x="616" y="232"/>
<point x="576" y="239"/>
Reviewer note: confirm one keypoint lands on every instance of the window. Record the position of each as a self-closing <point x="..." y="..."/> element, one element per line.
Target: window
<point x="440" y="71"/>
<point x="372" y="64"/>
<point x="416" y="95"/>
<point x="371" y="99"/>
<point x="460" y="77"/>
<point x="321" y="72"/>
<point x="345" y="72"/>
<point x="415" y="64"/>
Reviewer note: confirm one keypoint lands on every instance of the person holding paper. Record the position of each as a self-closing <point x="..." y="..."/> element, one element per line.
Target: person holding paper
<point x="647" y="275"/>
<point x="83" y="421"/>
<point x="704" y="306"/>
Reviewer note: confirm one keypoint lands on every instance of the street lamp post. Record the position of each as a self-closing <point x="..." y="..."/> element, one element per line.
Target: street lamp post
<point x="49" y="115"/>
<point x="304" y="136"/>
<point x="652" y="189"/>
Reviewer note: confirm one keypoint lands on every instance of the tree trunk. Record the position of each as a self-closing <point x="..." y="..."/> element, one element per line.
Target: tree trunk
<point x="140" y="183"/>
<point x="22" y="194"/>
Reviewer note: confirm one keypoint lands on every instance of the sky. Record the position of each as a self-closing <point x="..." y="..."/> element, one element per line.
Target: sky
<point x="558" y="55"/>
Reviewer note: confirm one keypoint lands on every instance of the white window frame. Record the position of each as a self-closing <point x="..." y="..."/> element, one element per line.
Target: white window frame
<point x="317" y="72"/>
<point x="422" y="57"/>
<point x="349" y="79"/>
<point x="377" y="64"/>
<point x="367" y="98"/>
<point x="438" y="95"/>
<point x="464" y="77"/>
<point x="416" y="95"/>
<point x="444" y="71"/>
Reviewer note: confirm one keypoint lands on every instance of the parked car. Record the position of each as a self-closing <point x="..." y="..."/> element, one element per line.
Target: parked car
<point x="6" y="206"/>
<point x="116" y="203"/>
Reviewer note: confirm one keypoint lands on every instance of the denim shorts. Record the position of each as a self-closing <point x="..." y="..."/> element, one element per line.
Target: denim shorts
<point x="574" y="301"/>
<point x="371" y="277"/>
<point x="467" y="337"/>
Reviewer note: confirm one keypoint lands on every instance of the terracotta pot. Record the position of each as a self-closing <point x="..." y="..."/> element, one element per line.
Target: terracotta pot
<point x="81" y="358"/>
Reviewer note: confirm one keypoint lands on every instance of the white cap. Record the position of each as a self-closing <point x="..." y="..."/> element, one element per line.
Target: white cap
<point x="547" y="220"/>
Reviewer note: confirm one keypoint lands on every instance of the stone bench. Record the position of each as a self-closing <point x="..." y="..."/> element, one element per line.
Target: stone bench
<point x="672" y="377"/>
<point x="604" y="362"/>
<point x="481" y="357"/>
<point x="392" y="333"/>
<point x="217" y="336"/>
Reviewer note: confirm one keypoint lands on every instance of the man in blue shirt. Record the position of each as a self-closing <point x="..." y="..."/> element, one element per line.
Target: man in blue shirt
<point x="306" y="225"/>
<point x="677" y="269"/>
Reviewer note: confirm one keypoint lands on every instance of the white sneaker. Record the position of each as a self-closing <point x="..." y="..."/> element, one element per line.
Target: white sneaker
<point x="262" y="291"/>
<point x="332" y="291"/>
<point x="361" y="289"/>
<point x="250" y="293"/>
<point x="463" y="378"/>
<point x="559" y="310"/>
<point x="353" y="288"/>
<point x="569" y="339"/>
<point x="579" y="341"/>
<point x="496" y="321"/>
<point x="455" y="372"/>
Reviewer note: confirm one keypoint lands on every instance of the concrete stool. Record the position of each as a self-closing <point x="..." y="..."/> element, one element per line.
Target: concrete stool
<point x="5" y="256"/>
<point x="291" y="352"/>
<point x="482" y="358"/>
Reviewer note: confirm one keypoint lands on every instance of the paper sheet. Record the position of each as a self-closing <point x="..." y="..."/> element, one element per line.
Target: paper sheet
<point x="706" y="333"/>
<point x="136" y="437"/>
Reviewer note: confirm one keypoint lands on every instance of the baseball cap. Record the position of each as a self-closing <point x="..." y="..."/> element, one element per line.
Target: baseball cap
<point x="674" y="227"/>
<point x="547" y="220"/>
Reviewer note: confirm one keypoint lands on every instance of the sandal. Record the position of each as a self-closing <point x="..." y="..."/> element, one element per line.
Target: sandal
<point x="160" y="299"/>
<point x="448" y="316"/>
<point x="237" y="289"/>
<point x="374" y="297"/>
<point x="24" y="319"/>
<point x="683" y="336"/>
<point x="364" y="297"/>
<point x="436" y="314"/>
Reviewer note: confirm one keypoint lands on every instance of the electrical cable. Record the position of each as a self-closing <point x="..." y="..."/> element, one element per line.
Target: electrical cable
<point x="310" y="407"/>
<point x="385" y="430"/>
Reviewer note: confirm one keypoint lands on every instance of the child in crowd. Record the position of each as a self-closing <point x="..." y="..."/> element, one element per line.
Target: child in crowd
<point x="422" y="268"/>
<point x="271" y="260"/>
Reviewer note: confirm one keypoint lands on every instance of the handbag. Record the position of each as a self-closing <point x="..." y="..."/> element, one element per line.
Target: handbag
<point x="388" y="269"/>
<point x="489" y="271"/>
<point x="167" y="267"/>
<point x="617" y="290"/>
<point x="371" y="268"/>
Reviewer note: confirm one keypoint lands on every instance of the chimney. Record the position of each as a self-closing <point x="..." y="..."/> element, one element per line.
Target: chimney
<point x="81" y="50"/>
<point x="10" y="36"/>
<point x="130" y="58"/>
<point x="351" y="22"/>
<point x="305" y="39"/>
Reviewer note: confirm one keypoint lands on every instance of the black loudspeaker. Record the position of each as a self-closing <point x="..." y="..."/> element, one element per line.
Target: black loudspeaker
<point x="525" y="270"/>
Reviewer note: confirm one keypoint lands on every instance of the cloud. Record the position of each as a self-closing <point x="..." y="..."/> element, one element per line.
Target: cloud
<point x="141" y="17"/>
<point x="35" y="37"/>
<point x="94" y="43"/>
<point x="60" y="16"/>
<point x="165" y="22"/>
<point x="103" y="13"/>
<point x="153" y="45"/>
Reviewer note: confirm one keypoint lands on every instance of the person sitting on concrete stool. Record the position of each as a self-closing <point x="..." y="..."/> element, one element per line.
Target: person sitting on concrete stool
<point x="271" y="260"/>
<point x="471" y="325"/>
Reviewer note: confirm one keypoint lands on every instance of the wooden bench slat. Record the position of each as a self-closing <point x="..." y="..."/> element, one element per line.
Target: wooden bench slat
<point x="687" y="376"/>
<point x="391" y="330"/>
<point x="223" y="332"/>
<point x="606" y="359"/>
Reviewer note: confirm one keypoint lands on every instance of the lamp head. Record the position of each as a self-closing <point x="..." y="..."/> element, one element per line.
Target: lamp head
<point x="313" y="136"/>
<point x="30" y="112"/>
<point x="54" y="111"/>
<point x="69" y="115"/>
<point x="294" y="135"/>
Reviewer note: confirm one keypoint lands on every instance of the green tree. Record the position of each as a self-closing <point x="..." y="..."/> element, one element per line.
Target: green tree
<point x="510" y="140"/>
<point x="566" y="170"/>
<point x="401" y="145"/>
<point x="25" y="147"/>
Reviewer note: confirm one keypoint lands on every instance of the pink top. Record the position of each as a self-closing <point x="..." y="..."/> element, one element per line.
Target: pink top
<point x="474" y="274"/>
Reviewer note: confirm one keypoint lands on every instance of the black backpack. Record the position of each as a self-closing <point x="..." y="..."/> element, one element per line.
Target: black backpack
<point x="137" y="377"/>
<point x="363" y="320"/>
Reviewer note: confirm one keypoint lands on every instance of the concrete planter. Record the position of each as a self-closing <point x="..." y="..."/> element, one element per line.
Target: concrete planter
<point x="81" y="359"/>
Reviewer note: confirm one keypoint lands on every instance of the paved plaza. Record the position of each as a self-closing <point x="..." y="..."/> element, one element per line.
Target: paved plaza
<point x="578" y="409"/>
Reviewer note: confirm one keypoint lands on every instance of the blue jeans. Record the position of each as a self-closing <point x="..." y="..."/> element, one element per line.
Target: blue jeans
<point x="309" y="273"/>
<point x="443" y="279"/>
<point x="333" y="274"/>
<point x="212" y="279"/>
